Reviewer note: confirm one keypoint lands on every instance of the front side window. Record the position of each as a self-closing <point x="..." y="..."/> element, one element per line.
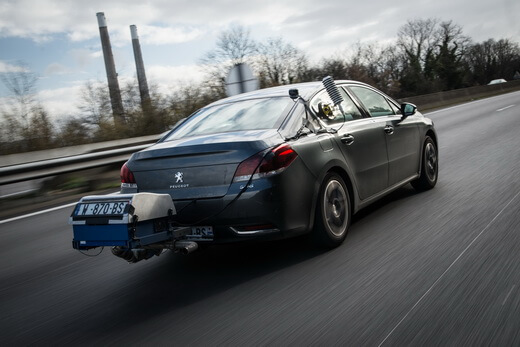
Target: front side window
<point x="396" y="109"/>
<point x="253" y="114"/>
<point x="374" y="102"/>
<point x="323" y="106"/>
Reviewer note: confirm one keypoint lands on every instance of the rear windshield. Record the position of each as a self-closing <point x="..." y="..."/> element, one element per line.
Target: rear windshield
<point x="253" y="114"/>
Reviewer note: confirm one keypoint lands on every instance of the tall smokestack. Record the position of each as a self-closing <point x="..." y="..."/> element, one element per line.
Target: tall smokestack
<point x="113" y="84"/>
<point x="139" y="64"/>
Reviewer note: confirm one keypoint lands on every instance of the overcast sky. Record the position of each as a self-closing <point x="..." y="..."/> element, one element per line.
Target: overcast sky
<point x="59" y="40"/>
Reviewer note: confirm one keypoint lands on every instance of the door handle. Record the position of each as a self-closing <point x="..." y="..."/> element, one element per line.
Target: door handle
<point x="347" y="139"/>
<point x="389" y="129"/>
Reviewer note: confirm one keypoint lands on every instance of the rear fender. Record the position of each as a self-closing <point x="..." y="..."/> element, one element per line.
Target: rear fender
<point x="341" y="169"/>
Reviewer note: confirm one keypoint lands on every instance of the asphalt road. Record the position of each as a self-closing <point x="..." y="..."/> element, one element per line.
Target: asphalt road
<point x="436" y="268"/>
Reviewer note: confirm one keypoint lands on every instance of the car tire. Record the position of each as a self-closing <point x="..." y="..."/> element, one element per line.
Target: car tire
<point x="333" y="212"/>
<point x="430" y="167"/>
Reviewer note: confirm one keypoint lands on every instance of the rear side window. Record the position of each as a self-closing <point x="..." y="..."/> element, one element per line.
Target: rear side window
<point x="253" y="114"/>
<point x="323" y="106"/>
<point x="374" y="102"/>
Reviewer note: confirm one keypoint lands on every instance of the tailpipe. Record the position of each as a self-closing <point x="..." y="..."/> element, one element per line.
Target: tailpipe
<point x="185" y="247"/>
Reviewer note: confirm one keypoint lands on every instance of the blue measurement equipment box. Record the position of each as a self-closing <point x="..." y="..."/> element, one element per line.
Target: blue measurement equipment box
<point x="127" y="220"/>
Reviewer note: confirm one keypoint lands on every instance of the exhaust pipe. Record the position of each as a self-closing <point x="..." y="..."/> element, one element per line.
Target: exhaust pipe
<point x="186" y="247"/>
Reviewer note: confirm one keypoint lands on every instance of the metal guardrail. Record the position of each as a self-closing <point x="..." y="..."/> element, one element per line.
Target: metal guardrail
<point x="45" y="168"/>
<point x="55" y="153"/>
<point x="450" y="97"/>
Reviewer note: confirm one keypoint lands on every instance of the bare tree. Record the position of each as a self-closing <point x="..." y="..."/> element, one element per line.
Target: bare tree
<point x="22" y="86"/>
<point x="28" y="124"/>
<point x="96" y="114"/>
<point x="280" y="63"/>
<point x="73" y="131"/>
<point x="451" y="48"/>
<point x="40" y="133"/>
<point x="189" y="98"/>
<point x="493" y="59"/>
<point x="131" y="97"/>
<point x="95" y="104"/>
<point x="384" y="67"/>
<point x="335" y="66"/>
<point x="234" y="46"/>
<point x="417" y="39"/>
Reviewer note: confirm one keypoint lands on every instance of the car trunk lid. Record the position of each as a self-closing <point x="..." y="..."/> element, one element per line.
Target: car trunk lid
<point x="197" y="167"/>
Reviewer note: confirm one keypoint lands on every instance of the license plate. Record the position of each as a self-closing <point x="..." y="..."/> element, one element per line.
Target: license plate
<point x="202" y="232"/>
<point x="101" y="208"/>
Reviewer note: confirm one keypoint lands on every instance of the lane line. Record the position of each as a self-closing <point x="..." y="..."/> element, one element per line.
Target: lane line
<point x="452" y="107"/>
<point x="508" y="294"/>
<point x="43" y="211"/>
<point x="18" y="193"/>
<point x="447" y="270"/>
<point x="505" y="108"/>
<point x="468" y="103"/>
<point x="37" y="213"/>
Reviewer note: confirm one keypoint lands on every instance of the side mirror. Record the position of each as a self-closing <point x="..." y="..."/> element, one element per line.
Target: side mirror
<point x="408" y="109"/>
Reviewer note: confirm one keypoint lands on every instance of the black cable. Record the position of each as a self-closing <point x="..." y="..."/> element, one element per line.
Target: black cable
<point x="92" y="255"/>
<point x="344" y="121"/>
<point x="228" y="204"/>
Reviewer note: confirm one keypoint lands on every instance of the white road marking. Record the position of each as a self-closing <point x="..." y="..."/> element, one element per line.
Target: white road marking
<point x="452" y="107"/>
<point x="467" y="103"/>
<point x="37" y="213"/>
<point x="43" y="211"/>
<point x="456" y="106"/>
<point x="447" y="270"/>
<point x="505" y="108"/>
<point x="18" y="193"/>
<point x="508" y="294"/>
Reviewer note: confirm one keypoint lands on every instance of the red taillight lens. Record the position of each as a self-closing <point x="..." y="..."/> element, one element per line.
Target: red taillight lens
<point x="126" y="175"/>
<point x="248" y="167"/>
<point x="275" y="161"/>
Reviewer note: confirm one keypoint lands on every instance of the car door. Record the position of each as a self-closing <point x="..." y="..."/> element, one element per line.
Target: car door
<point x="404" y="148"/>
<point x="361" y="139"/>
<point x="402" y="137"/>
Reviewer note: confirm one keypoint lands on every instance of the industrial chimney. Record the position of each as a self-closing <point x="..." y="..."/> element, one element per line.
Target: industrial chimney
<point x="113" y="84"/>
<point x="139" y="64"/>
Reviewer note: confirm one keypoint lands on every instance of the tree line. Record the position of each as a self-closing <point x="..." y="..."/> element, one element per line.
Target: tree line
<point x="427" y="56"/>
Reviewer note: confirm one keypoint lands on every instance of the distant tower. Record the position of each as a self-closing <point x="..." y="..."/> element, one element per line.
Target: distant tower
<point x="139" y="64"/>
<point x="113" y="84"/>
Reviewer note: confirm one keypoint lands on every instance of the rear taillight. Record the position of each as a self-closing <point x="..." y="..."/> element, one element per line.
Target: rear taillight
<point x="127" y="177"/>
<point x="248" y="167"/>
<point x="263" y="165"/>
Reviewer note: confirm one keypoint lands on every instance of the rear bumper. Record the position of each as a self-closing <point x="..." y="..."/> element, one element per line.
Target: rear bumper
<point x="269" y="208"/>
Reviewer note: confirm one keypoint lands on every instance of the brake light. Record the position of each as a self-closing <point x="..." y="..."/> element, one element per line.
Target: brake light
<point x="248" y="167"/>
<point x="263" y="165"/>
<point x="126" y="175"/>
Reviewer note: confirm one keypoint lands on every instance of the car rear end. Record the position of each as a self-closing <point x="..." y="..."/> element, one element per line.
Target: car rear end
<point x="239" y="181"/>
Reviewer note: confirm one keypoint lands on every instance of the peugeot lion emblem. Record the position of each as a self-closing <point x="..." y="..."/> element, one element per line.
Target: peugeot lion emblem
<point x="178" y="177"/>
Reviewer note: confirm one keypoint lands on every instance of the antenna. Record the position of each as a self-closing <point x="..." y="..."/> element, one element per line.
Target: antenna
<point x="332" y="90"/>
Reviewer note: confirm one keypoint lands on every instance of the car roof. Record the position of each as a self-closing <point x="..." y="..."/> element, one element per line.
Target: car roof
<point x="306" y="90"/>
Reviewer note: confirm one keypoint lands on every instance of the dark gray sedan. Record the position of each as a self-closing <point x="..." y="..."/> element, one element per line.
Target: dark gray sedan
<point x="287" y="161"/>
